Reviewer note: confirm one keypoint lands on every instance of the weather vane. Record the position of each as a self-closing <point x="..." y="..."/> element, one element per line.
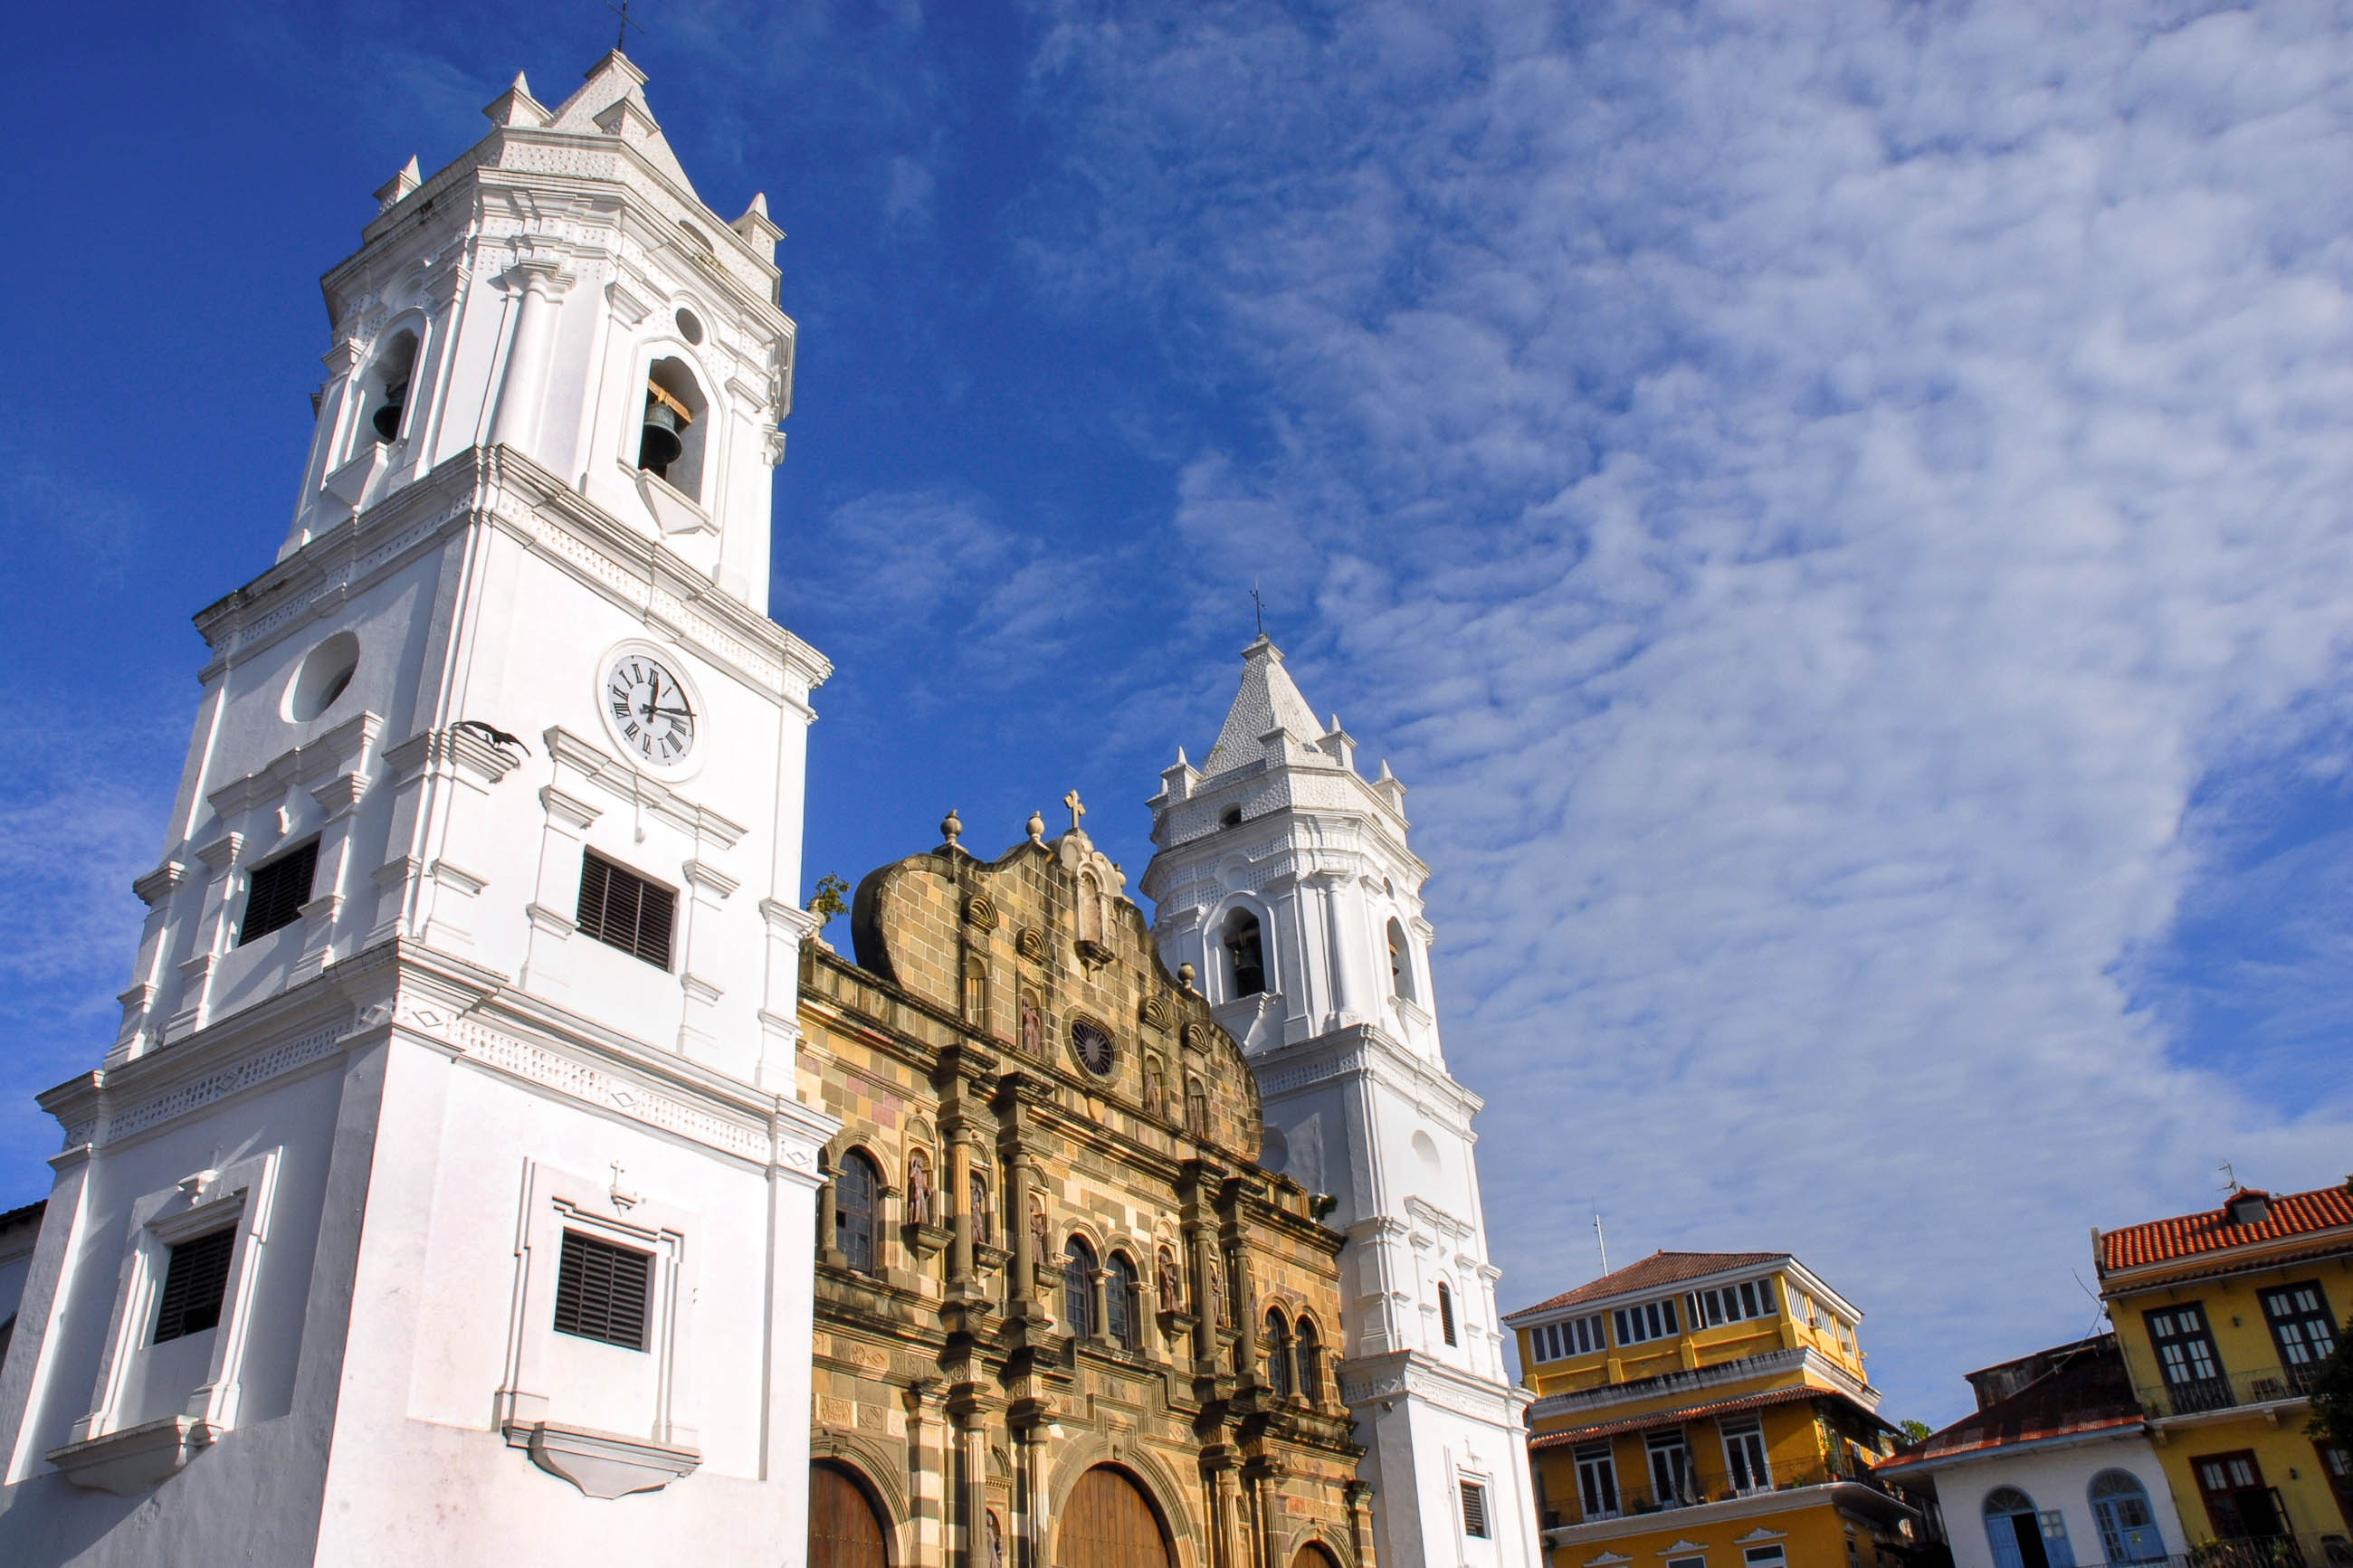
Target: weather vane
<point x="621" y="38"/>
<point x="1261" y="606"/>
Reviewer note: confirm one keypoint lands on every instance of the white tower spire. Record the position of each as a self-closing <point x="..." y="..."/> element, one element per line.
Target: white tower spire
<point x="1284" y="878"/>
<point x="447" y="1179"/>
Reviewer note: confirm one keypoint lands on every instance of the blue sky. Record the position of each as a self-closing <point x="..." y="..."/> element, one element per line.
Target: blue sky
<point x="1840" y="516"/>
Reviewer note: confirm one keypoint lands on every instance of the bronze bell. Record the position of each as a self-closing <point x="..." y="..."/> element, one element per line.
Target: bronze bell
<point x="659" y="445"/>
<point x="387" y="417"/>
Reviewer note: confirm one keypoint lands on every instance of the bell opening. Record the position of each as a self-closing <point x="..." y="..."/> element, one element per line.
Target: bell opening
<point x="659" y="443"/>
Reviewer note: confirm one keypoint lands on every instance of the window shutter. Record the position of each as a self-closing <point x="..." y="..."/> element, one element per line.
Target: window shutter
<point x="1474" y="1511"/>
<point x="194" y="1281"/>
<point x="1446" y="1313"/>
<point x="601" y="1291"/>
<point x="622" y="910"/>
<point x="276" y="891"/>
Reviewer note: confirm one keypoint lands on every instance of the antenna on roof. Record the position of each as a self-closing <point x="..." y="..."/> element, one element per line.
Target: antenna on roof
<point x="621" y="39"/>
<point x="2230" y="1177"/>
<point x="1600" y="1238"/>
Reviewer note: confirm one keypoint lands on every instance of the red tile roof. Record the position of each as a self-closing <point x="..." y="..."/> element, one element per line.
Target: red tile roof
<point x="2087" y="1391"/>
<point x="1654" y="1272"/>
<point x="1733" y="1405"/>
<point x="2160" y="1241"/>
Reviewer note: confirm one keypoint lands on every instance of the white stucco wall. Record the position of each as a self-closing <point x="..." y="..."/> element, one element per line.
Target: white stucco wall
<point x="2056" y="1476"/>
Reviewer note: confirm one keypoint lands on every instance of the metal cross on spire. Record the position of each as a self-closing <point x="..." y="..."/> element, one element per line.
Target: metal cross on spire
<point x="621" y="39"/>
<point x="1260" y="602"/>
<point x="1077" y="811"/>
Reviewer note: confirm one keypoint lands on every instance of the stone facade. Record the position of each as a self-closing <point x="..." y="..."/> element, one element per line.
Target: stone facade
<point x="1017" y="1074"/>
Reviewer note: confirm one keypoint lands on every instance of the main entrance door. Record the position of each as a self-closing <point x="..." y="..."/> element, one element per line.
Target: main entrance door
<point x="1107" y="1523"/>
<point x="844" y="1531"/>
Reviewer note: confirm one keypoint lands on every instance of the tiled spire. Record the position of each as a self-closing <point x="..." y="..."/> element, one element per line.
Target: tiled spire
<point x="1268" y="699"/>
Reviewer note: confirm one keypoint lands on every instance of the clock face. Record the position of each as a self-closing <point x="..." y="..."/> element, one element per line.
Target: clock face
<point x="649" y="710"/>
<point x="1091" y="1047"/>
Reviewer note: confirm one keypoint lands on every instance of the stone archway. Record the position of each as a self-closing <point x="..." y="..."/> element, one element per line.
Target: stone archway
<point x="1109" y="1522"/>
<point x="845" y="1531"/>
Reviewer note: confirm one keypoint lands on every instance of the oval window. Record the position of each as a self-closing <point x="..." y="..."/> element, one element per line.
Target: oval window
<point x="690" y="325"/>
<point x="324" y="673"/>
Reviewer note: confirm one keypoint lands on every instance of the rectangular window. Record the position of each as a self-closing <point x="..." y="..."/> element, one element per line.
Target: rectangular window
<point x="622" y="910"/>
<point x="1579" y="1336"/>
<point x="1731" y="1303"/>
<point x="1474" y="1511"/>
<point x="1687" y="1562"/>
<point x="2302" y="1328"/>
<point x="2238" y="1503"/>
<point x="601" y="1291"/>
<point x="277" y="890"/>
<point x="2185" y="1350"/>
<point x="1596" y="1481"/>
<point x="1767" y="1557"/>
<point x="194" y="1281"/>
<point x="1745" y="1466"/>
<point x="1671" y="1474"/>
<point x="1650" y="1321"/>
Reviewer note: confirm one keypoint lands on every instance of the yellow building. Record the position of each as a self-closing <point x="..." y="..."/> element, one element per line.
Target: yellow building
<point x="2223" y="1318"/>
<point x="1708" y="1410"/>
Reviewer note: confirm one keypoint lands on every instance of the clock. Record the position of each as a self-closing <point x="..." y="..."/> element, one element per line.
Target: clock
<point x="1091" y="1047"/>
<point x="648" y="708"/>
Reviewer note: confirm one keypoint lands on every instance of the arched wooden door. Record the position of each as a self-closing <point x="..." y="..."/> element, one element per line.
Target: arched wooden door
<point x="1313" y="1555"/>
<point x="844" y="1531"/>
<point x="1107" y="1523"/>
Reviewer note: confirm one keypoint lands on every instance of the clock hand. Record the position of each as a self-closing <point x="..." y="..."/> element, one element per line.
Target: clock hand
<point x="682" y="712"/>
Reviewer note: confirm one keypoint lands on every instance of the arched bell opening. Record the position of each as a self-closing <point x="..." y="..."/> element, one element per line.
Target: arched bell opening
<point x="383" y="389"/>
<point x="674" y="431"/>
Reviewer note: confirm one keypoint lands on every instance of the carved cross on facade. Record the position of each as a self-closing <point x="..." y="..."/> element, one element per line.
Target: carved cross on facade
<point x="1077" y="811"/>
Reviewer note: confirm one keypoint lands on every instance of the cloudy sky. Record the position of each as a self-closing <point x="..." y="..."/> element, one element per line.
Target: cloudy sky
<point x="1840" y="515"/>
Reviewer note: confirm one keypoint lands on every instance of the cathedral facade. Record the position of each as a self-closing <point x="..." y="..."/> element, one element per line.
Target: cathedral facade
<point x="492" y="1165"/>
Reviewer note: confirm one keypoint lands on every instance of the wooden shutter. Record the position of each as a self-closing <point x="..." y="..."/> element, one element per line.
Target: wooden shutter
<point x="602" y="1290"/>
<point x="1474" y="1511"/>
<point x="276" y="891"/>
<point x="194" y="1281"/>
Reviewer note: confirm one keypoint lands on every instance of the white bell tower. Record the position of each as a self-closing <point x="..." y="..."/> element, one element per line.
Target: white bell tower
<point x="446" y="1195"/>
<point x="1284" y="880"/>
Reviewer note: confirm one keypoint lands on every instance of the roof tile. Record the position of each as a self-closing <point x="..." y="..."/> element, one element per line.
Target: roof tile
<point x="2185" y="1235"/>
<point x="1654" y="1272"/>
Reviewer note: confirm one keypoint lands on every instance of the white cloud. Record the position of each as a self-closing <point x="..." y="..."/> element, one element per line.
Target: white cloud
<point x="1806" y="497"/>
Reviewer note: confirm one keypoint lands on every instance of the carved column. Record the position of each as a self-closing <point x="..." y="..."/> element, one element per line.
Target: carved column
<point x="1021" y="1292"/>
<point x="1197" y="1242"/>
<point x="961" y="1280"/>
<point x="927" y="1466"/>
<point x="538" y="285"/>
<point x="828" y="1221"/>
<point x="1246" y="1365"/>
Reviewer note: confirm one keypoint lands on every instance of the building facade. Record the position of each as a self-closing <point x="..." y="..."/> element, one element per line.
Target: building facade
<point x="2223" y="1318"/>
<point x="2055" y="1468"/>
<point x="1064" y="1316"/>
<point x="447" y="1181"/>
<point x="1708" y="1410"/>
<point x="1283" y="882"/>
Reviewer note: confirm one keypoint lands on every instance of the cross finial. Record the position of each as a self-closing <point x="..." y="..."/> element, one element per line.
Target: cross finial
<point x="1261" y="606"/>
<point x="621" y="39"/>
<point x="1077" y="811"/>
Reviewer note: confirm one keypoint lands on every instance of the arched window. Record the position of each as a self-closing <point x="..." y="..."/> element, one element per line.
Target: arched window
<point x="1121" y="1309"/>
<point x="1278" y="1353"/>
<point x="1401" y="963"/>
<point x="384" y="390"/>
<point x="856" y="1192"/>
<point x="1245" y="955"/>
<point x="976" y="991"/>
<point x="1231" y="817"/>
<point x="2128" y="1532"/>
<point x="984" y="1231"/>
<point x="670" y="444"/>
<point x="1307" y="1351"/>
<point x="1078" y="1288"/>
<point x="2022" y="1538"/>
<point x="1446" y="1313"/>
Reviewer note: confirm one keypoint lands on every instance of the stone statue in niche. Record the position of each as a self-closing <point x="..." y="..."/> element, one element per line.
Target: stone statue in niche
<point x="1217" y="1307"/>
<point x="1197" y="1109"/>
<point x="920" y="1198"/>
<point x="1155" y="1089"/>
<point x="1172" y="1292"/>
<point x="1038" y="1249"/>
<point x="1033" y="1028"/>
<point x="983" y="1231"/>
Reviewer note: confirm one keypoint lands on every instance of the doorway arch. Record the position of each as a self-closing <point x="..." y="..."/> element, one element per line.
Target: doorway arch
<point x="1314" y="1554"/>
<point x="1109" y="1521"/>
<point x="845" y="1528"/>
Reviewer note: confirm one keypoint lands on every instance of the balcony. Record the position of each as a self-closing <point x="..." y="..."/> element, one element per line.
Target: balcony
<point x="2227" y="1391"/>
<point x="1863" y="1491"/>
<point x="2262" y="1551"/>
